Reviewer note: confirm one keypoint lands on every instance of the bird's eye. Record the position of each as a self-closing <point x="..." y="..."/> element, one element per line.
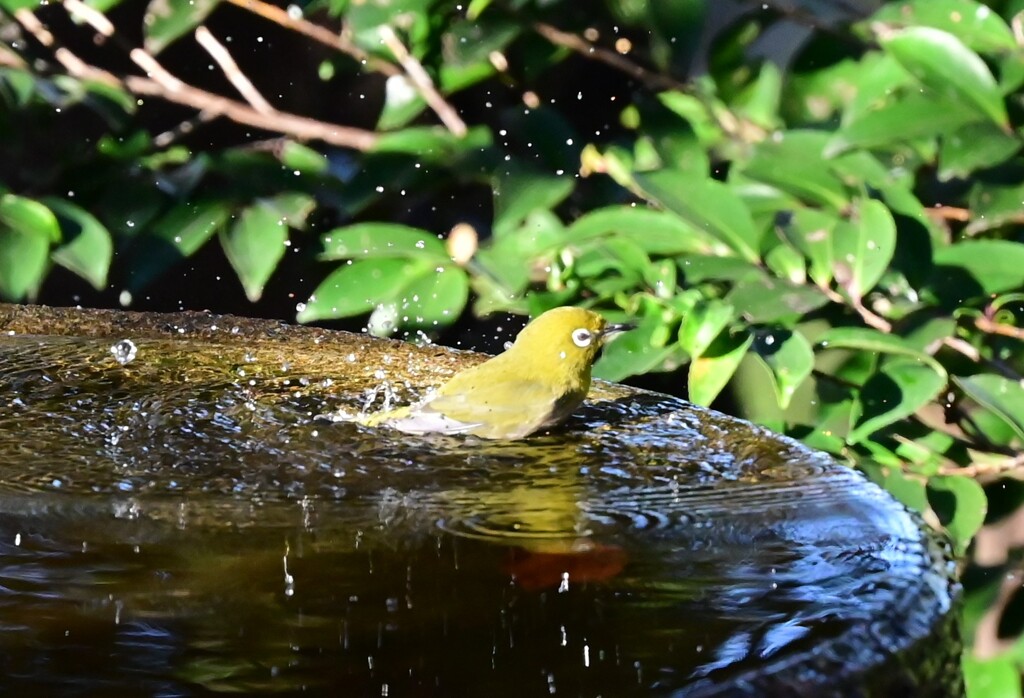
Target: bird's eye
<point x="582" y="337"/>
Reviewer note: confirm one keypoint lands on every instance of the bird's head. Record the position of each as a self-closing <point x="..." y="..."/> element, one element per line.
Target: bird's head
<point x="566" y="340"/>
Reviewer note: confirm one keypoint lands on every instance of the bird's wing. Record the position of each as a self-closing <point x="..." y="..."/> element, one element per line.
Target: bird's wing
<point x="501" y="410"/>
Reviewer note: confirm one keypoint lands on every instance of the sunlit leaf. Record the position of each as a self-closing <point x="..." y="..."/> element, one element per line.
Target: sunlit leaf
<point x="992" y="678"/>
<point x="254" y="244"/>
<point x="1000" y="395"/>
<point x="433" y="298"/>
<point x="875" y="342"/>
<point x="703" y="324"/>
<point x="87" y="248"/>
<point x="710" y="373"/>
<point x="789" y="357"/>
<point x="377" y="239"/>
<point x="359" y="287"/>
<point x="941" y="62"/>
<point x="707" y="204"/>
<point x="969" y="507"/>
<point x="768" y="300"/>
<point x="637" y="352"/>
<point x="302" y="158"/>
<point x="863" y="248"/>
<point x="795" y="163"/>
<point x="27" y="229"/>
<point x="901" y="388"/>
<point x="975" y="24"/>
<point x="810" y="231"/>
<point x="664" y="233"/>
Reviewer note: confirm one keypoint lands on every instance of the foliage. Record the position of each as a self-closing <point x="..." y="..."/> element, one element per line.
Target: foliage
<point x="831" y="238"/>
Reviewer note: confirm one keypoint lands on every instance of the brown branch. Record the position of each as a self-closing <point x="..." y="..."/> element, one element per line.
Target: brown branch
<point x="992" y="327"/>
<point x="422" y="82"/>
<point x="317" y="33"/>
<point x="165" y="86"/>
<point x="1000" y="467"/>
<point x="219" y="53"/>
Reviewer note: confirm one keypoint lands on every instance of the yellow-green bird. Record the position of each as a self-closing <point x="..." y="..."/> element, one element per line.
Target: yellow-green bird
<point x="536" y="383"/>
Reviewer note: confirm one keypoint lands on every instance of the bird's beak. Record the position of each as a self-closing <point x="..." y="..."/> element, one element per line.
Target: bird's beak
<point x="612" y="330"/>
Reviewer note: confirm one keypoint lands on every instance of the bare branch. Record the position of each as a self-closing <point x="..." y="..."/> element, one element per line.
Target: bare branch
<point x="231" y="71"/>
<point x="422" y="82"/>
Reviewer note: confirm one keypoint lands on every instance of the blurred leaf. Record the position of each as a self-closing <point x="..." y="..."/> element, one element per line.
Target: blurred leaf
<point x="767" y="300"/>
<point x="402" y="103"/>
<point x="1000" y="395"/>
<point x="975" y="268"/>
<point x="810" y="231"/>
<point x="897" y="391"/>
<point x="87" y="248"/>
<point x="760" y="101"/>
<point x="432" y="298"/>
<point x="177" y="234"/>
<point x="864" y="247"/>
<point x="27" y="229"/>
<point x="969" y="508"/>
<point x="707" y="204"/>
<point x="794" y="162"/>
<point x="359" y="287"/>
<point x="167" y="20"/>
<point x="712" y="371"/>
<point x="433" y="144"/>
<point x="664" y="233"/>
<point x="699" y="268"/>
<point x="291" y="207"/>
<point x="302" y="158"/>
<point x="992" y="678"/>
<point x="254" y="244"/>
<point x="909" y="488"/>
<point x="703" y="324"/>
<point x="368" y="240"/>
<point x="788" y="356"/>
<point x="900" y="120"/>
<point x="993" y="206"/>
<point x="636" y="352"/>
<point x="787" y="263"/>
<point x="974" y="146"/>
<point x="942" y="62"/>
<point x="875" y="342"/>
<point x="519" y="191"/>
<point x="975" y="24"/>
<point x="618" y="254"/>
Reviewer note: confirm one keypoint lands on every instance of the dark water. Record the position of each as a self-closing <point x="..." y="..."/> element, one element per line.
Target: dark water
<point x="189" y="523"/>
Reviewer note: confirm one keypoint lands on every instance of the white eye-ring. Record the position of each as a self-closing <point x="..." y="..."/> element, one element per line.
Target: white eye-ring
<point x="582" y="337"/>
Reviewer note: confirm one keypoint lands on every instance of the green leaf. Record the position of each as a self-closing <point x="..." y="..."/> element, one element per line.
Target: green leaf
<point x="969" y="508"/>
<point x="794" y="162"/>
<point x="976" y="25"/>
<point x="942" y="63"/>
<point x="87" y="248"/>
<point x="997" y="394"/>
<point x="27" y="228"/>
<point x="302" y="159"/>
<point x="402" y="103"/>
<point x="875" y="342"/>
<point x="789" y="357"/>
<point x="698" y="268"/>
<point x="901" y="388"/>
<point x="365" y="240"/>
<point x="707" y="204"/>
<point x="435" y="297"/>
<point x="254" y="245"/>
<point x="767" y="300"/>
<point x="434" y="144"/>
<point x="976" y="268"/>
<point x="993" y="206"/>
<point x="291" y="207"/>
<point x="359" y="287"/>
<point x="520" y="191"/>
<point x="992" y="678"/>
<point x="811" y="231"/>
<point x="177" y="234"/>
<point x="664" y="233"/>
<point x="703" y="324"/>
<point x="167" y="20"/>
<point x="639" y="351"/>
<point x="863" y="248"/>
<point x="787" y="263"/>
<point x="901" y="119"/>
<point x="710" y="373"/>
<point x="974" y="146"/>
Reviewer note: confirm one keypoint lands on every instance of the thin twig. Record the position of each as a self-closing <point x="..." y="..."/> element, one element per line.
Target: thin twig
<point x="231" y="71"/>
<point x="422" y="82"/>
<point x="173" y="90"/>
<point x="186" y="127"/>
<point x="991" y="327"/>
<point x="975" y="470"/>
<point x="314" y="31"/>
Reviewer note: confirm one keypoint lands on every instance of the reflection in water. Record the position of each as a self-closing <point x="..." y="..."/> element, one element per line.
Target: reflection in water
<point x="185" y="523"/>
